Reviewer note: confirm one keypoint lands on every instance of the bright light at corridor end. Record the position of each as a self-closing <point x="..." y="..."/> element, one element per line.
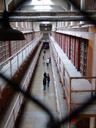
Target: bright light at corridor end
<point x="42" y="5"/>
<point x="41" y="2"/>
<point x="45" y="22"/>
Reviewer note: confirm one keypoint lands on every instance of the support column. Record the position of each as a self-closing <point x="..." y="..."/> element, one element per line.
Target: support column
<point x="92" y="119"/>
<point x="66" y="24"/>
<point x="72" y="23"/>
<point x="10" y="48"/>
<point x="94" y="63"/>
<point x="82" y="7"/>
<point x="92" y="122"/>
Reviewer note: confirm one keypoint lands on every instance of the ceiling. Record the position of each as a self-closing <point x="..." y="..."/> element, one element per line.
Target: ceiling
<point x="40" y="5"/>
<point x="43" y="10"/>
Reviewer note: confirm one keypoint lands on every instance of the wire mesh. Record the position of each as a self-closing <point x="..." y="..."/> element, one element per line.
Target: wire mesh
<point x="53" y="123"/>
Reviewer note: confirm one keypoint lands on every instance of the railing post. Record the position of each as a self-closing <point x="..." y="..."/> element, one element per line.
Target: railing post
<point x="14" y="118"/>
<point x="0" y="100"/>
<point x="10" y="48"/>
<point x="17" y="61"/>
<point x="74" y="49"/>
<point x="19" y="100"/>
<point x="10" y="69"/>
<point x="69" y="103"/>
<point x="22" y="55"/>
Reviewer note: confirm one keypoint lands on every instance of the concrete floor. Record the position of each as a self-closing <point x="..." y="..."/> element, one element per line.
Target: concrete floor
<point x="33" y="116"/>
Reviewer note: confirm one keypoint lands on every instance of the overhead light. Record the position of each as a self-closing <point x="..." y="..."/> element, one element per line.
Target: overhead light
<point x="6" y="31"/>
<point x="43" y="7"/>
<point x="45" y="22"/>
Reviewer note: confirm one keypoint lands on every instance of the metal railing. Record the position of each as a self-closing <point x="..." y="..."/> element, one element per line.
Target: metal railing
<point x="54" y="123"/>
<point x="19" y="100"/>
<point x="77" y="89"/>
<point x="13" y="63"/>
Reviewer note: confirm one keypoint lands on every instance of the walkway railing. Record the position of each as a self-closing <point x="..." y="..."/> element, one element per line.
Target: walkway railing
<point x="77" y="88"/>
<point x="12" y="64"/>
<point x="54" y="83"/>
<point x="14" y="113"/>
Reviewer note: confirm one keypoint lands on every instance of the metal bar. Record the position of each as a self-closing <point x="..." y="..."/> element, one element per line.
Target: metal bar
<point x="1" y="64"/>
<point x="74" y="49"/>
<point x="82" y="103"/>
<point x="61" y="40"/>
<point x="76" y="91"/>
<point x="69" y="47"/>
<point x="78" y="55"/>
<point x="69" y="96"/>
<point x="85" y="35"/>
<point x="10" y="48"/>
<point x="69" y="103"/>
<point x="64" y="43"/>
<point x="84" y="77"/>
<point x="51" y="13"/>
<point x="47" y="18"/>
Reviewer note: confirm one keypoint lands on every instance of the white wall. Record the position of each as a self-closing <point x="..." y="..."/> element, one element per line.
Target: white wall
<point x="36" y="26"/>
<point x="53" y="26"/>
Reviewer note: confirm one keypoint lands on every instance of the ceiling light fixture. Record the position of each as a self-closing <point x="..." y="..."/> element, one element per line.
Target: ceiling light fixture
<point x="45" y="22"/>
<point x="6" y="31"/>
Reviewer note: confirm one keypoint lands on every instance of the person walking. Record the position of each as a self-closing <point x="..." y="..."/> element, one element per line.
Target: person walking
<point x="44" y="74"/>
<point x="47" y="62"/>
<point x="44" y="82"/>
<point x="48" y="80"/>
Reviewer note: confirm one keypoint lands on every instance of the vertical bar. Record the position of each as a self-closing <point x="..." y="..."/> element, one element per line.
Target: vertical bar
<point x="69" y="95"/>
<point x="0" y="93"/>
<point x="10" y="69"/>
<point x="57" y="37"/>
<point x="74" y="48"/>
<point x="19" y="100"/>
<point x="22" y="55"/>
<point x="0" y="99"/>
<point x="92" y="122"/>
<point x="9" y="48"/>
<point x="14" y="117"/>
<point x="69" y="101"/>
<point x="10" y="59"/>
<point x="69" y="47"/>
<point x="17" y="61"/>
<point x="78" y="54"/>
<point x="32" y="35"/>
<point x="61" y="41"/>
<point x="64" y="42"/>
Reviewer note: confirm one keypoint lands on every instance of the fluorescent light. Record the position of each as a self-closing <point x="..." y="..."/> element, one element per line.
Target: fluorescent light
<point x="42" y="7"/>
<point x="45" y="22"/>
<point x="41" y="2"/>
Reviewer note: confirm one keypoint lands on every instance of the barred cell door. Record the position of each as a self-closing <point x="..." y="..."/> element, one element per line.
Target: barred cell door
<point x="83" y="56"/>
